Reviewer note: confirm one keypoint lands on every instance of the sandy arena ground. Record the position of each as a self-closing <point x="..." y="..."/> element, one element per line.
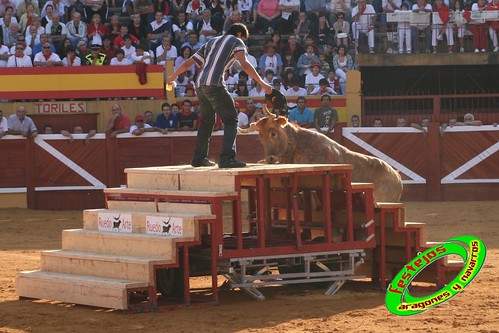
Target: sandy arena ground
<point x="357" y="307"/>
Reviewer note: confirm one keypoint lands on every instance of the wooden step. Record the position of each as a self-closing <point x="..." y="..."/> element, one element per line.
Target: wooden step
<point x="388" y="205"/>
<point x="187" y="178"/>
<point x="362" y="186"/>
<point x="129" y="192"/>
<point x="141" y="245"/>
<point x="79" y="289"/>
<point x="141" y="220"/>
<point x="101" y="265"/>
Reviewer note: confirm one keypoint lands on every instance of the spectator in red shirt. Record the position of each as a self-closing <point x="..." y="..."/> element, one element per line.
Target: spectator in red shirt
<point x="119" y="123"/>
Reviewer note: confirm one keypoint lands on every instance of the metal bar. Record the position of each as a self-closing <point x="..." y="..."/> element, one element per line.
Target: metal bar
<point x="261" y="212"/>
<point x="382" y="266"/>
<point x="326" y="199"/>
<point x="296" y="213"/>
<point x="187" y="288"/>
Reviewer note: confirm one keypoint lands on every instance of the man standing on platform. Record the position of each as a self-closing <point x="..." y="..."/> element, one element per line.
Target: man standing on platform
<point x="214" y="58"/>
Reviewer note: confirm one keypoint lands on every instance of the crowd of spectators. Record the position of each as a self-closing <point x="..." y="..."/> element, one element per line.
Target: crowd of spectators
<point x="312" y="60"/>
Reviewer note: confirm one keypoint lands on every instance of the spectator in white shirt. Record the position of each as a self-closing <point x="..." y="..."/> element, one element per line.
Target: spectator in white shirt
<point x="19" y="58"/>
<point x="166" y="51"/>
<point x="71" y="59"/>
<point x="120" y="59"/>
<point x="296" y="90"/>
<point x="140" y="55"/>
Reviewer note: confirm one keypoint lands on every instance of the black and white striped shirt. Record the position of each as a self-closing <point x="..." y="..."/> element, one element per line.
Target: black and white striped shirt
<point x="215" y="57"/>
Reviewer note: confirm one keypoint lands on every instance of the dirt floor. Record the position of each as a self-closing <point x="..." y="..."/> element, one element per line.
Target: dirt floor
<point x="357" y="307"/>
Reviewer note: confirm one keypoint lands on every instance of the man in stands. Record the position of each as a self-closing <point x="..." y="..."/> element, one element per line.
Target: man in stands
<point x="187" y="119"/>
<point x="4" y="54"/>
<point x="119" y="41"/>
<point x="21" y="39"/>
<point x="4" y="126"/>
<point x="364" y="17"/>
<point x="301" y="115"/>
<point x="295" y="89"/>
<point x="149" y="118"/>
<point x="77" y="30"/>
<point x="47" y="58"/>
<point x="19" y="59"/>
<point x="181" y="28"/>
<point x="56" y="30"/>
<point x="158" y="29"/>
<point x="140" y="127"/>
<point x="44" y="38"/>
<point x="167" y="119"/>
<point x="120" y="59"/>
<point x="193" y="42"/>
<point x="325" y="116"/>
<point x="95" y="58"/>
<point x="79" y="130"/>
<point x="119" y="123"/>
<point x="20" y="124"/>
<point x="207" y="28"/>
<point x="166" y="51"/>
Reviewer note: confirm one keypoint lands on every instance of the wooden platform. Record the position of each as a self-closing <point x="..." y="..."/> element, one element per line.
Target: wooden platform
<point x="284" y="213"/>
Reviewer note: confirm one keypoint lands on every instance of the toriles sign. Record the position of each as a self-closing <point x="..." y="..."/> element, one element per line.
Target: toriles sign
<point x="398" y="299"/>
<point x="60" y="107"/>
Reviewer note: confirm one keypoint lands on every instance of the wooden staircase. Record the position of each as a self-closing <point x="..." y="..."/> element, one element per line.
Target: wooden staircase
<point x="399" y="241"/>
<point x="108" y="267"/>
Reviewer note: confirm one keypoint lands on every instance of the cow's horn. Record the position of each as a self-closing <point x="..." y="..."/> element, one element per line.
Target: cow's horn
<point x="266" y="110"/>
<point x="252" y="128"/>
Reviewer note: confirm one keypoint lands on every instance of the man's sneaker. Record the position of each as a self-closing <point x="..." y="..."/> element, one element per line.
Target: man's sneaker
<point x="484" y="50"/>
<point x="232" y="163"/>
<point x="477" y="50"/>
<point x="461" y="50"/>
<point x="205" y="162"/>
<point x="496" y="49"/>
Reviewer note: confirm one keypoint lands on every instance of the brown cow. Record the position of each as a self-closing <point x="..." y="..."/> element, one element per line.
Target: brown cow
<point x="283" y="142"/>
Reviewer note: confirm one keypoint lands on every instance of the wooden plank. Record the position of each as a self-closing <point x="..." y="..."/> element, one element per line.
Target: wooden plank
<point x="138" y="206"/>
<point x="162" y="192"/>
<point x="121" y="244"/>
<point x="13" y="200"/>
<point x="85" y="290"/>
<point x="176" y="207"/>
<point x="152" y="181"/>
<point x="101" y="265"/>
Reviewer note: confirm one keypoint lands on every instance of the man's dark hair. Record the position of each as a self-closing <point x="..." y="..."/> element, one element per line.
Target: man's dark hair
<point x="238" y="28"/>
<point x="165" y="104"/>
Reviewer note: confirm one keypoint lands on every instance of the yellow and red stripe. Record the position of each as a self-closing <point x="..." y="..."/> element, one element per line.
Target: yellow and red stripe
<point x="80" y="82"/>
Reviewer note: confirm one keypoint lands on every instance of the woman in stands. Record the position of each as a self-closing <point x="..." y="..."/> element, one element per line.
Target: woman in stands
<point x="185" y="53"/>
<point x="342" y="62"/>
<point x="96" y="28"/>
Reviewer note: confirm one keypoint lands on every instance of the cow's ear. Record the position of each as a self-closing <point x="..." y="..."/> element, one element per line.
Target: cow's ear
<point x="281" y="120"/>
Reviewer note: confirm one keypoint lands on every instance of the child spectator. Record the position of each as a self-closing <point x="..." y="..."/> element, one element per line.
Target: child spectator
<point x="404" y="30"/>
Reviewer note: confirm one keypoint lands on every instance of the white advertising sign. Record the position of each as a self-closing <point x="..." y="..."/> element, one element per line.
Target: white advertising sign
<point x="165" y="226"/>
<point x="115" y="222"/>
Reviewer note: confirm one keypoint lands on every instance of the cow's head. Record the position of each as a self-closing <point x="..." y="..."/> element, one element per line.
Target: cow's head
<point x="272" y="135"/>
